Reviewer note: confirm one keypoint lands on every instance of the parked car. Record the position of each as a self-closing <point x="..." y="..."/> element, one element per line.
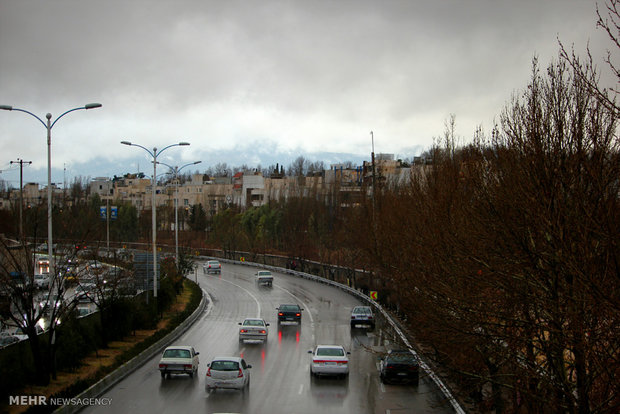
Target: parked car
<point x="179" y="359"/>
<point x="212" y="266"/>
<point x="49" y="302"/>
<point x="329" y="360"/>
<point x="264" y="277"/>
<point x="253" y="329"/>
<point x="227" y="372"/>
<point x="19" y="333"/>
<point x="41" y="281"/>
<point x="7" y="340"/>
<point x="289" y="313"/>
<point x="362" y="315"/>
<point x="399" y="366"/>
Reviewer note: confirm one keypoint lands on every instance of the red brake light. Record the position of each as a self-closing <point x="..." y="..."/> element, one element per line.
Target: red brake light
<point x="280" y="314"/>
<point x="209" y="372"/>
<point x="298" y="314"/>
<point x="244" y="330"/>
<point x="240" y="374"/>
<point x="163" y="365"/>
<point x="188" y="366"/>
<point x="262" y="331"/>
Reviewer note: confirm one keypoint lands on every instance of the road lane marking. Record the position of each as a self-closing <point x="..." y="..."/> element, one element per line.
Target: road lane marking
<point x="301" y="389"/>
<point x="248" y="292"/>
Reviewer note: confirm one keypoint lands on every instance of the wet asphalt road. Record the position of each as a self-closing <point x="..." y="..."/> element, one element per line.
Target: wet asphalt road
<point x="280" y="377"/>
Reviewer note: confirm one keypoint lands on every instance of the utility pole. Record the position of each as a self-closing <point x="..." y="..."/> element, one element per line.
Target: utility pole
<point x="21" y="196"/>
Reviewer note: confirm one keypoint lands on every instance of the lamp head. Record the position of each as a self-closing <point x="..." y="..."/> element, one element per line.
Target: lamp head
<point x="125" y="142"/>
<point x="183" y="143"/>
<point x="92" y="106"/>
<point x="6" y="107"/>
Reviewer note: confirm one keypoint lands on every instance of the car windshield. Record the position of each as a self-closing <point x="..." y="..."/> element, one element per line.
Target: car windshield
<point x="330" y="352"/>
<point x="253" y="322"/>
<point x="401" y="358"/>
<point x="214" y="263"/>
<point x="225" y="365"/>
<point x="177" y="353"/>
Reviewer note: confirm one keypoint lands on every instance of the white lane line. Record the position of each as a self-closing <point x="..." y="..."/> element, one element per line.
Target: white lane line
<point x="248" y="292"/>
<point x="301" y="389"/>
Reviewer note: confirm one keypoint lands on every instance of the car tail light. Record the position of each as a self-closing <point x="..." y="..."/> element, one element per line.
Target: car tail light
<point x="342" y="362"/>
<point x="370" y="317"/>
<point x="298" y="314"/>
<point x="262" y="331"/>
<point x="209" y="372"/>
<point x="240" y="374"/>
<point x="163" y="366"/>
<point x="187" y="366"/>
<point x="243" y="330"/>
<point x="280" y="314"/>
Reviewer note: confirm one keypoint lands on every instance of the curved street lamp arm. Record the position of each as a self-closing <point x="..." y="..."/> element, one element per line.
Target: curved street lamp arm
<point x="138" y="145"/>
<point x="10" y="108"/>
<point x="172" y="145"/>
<point x="87" y="106"/>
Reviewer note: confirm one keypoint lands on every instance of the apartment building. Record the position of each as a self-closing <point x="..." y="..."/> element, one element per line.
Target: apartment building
<point x="244" y="189"/>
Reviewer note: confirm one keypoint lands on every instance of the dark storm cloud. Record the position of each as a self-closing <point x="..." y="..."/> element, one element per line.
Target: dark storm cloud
<point x="302" y="75"/>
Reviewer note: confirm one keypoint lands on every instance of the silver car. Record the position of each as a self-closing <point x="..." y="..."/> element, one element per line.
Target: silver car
<point x="362" y="315"/>
<point x="329" y="360"/>
<point x="227" y="372"/>
<point x="253" y="329"/>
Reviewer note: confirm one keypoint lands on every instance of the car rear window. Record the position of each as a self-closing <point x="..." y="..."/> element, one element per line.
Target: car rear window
<point x="330" y="352"/>
<point x="177" y="353"/>
<point x="289" y="308"/>
<point x="402" y="358"/>
<point x="253" y="323"/>
<point x="225" y="365"/>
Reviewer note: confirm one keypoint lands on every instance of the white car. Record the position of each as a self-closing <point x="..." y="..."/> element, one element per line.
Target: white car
<point x="253" y="329"/>
<point x="264" y="277"/>
<point x="179" y="359"/>
<point x="227" y="372"/>
<point x="41" y="281"/>
<point x="329" y="360"/>
<point x="212" y="266"/>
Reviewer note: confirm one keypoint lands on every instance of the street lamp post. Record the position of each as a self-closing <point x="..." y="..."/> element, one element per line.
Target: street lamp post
<point x="48" y="126"/>
<point x="154" y="154"/>
<point x="175" y="171"/>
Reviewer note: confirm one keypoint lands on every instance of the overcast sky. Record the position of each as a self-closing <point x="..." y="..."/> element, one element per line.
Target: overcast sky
<point x="255" y="82"/>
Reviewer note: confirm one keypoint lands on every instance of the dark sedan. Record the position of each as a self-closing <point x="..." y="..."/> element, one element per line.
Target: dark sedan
<point x="400" y="366"/>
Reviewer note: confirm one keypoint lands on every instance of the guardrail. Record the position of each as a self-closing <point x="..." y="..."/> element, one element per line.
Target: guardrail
<point x="366" y="299"/>
<point x="130" y="366"/>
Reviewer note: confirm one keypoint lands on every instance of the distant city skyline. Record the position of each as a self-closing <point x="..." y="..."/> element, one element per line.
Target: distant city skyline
<point x="105" y="168"/>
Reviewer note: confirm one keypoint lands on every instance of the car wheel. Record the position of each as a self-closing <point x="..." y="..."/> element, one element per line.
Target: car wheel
<point x="208" y="390"/>
<point x="163" y="375"/>
<point x="191" y="374"/>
